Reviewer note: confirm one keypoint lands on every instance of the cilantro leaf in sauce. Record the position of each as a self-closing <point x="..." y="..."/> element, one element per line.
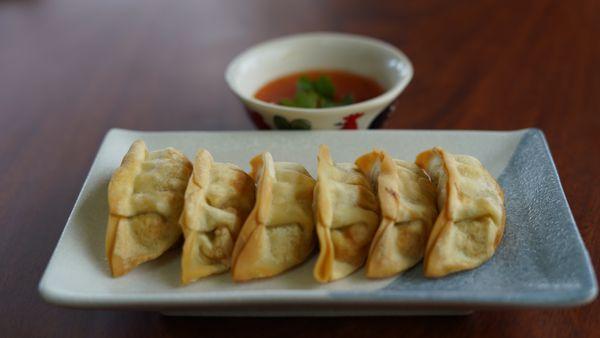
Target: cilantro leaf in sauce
<point x="317" y="93"/>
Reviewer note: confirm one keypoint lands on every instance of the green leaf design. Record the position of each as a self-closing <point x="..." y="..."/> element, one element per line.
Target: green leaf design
<point x="281" y="122"/>
<point x="301" y="124"/>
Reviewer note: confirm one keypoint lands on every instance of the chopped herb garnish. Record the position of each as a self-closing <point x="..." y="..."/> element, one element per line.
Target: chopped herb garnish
<point x="317" y="93"/>
<point x="324" y="87"/>
<point x="346" y="100"/>
<point x="304" y="84"/>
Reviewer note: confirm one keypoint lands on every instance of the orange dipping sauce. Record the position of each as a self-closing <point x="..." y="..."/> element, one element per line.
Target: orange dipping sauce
<point x="360" y="87"/>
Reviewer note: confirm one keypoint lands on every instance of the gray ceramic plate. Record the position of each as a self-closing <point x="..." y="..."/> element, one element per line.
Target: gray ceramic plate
<point x="541" y="261"/>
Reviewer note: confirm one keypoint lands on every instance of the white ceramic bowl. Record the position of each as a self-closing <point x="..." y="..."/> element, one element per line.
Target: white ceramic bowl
<point x="373" y="58"/>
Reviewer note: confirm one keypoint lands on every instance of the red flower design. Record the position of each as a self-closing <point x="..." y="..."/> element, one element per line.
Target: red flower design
<point x="350" y="121"/>
<point x="258" y="120"/>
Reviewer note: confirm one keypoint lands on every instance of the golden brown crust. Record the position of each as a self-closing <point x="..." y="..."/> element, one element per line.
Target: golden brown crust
<point x="407" y="200"/>
<point x="120" y="187"/>
<point x="279" y="232"/>
<point x="347" y="215"/>
<point x="472" y="216"/>
<point x="218" y="198"/>
<point x="145" y="197"/>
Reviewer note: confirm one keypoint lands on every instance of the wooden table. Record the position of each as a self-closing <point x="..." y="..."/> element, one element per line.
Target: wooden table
<point x="72" y="69"/>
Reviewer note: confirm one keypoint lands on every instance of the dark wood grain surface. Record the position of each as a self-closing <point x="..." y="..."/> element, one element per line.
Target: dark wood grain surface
<point x="72" y="69"/>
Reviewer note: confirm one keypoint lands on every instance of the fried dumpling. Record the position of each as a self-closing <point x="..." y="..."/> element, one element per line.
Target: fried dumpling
<point x="279" y="232"/>
<point x="145" y="198"/>
<point x="347" y="216"/>
<point x="218" y="198"/>
<point x="408" y="210"/>
<point x="472" y="215"/>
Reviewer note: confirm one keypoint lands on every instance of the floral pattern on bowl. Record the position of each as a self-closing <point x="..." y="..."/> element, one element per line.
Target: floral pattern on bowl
<point x="350" y="121"/>
<point x="282" y="123"/>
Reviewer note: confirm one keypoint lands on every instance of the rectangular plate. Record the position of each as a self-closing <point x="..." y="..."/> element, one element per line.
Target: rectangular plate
<point x="541" y="261"/>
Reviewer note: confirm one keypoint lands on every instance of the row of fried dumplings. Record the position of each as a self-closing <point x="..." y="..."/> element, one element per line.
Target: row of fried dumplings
<point x="379" y="212"/>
